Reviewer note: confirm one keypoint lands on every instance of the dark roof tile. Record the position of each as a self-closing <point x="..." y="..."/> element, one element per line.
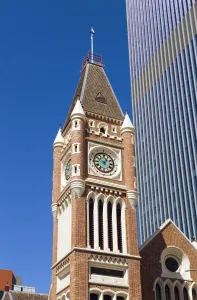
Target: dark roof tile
<point x="96" y="94"/>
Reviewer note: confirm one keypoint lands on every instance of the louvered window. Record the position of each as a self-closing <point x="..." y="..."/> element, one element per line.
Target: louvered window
<point x="194" y="294"/>
<point x="91" y="223"/>
<point x="167" y="293"/>
<point x="176" y="293"/>
<point x="119" y="227"/>
<point x="100" y="224"/>
<point x="158" y="292"/>
<point x="93" y="297"/>
<point x="110" y="233"/>
<point x="185" y="294"/>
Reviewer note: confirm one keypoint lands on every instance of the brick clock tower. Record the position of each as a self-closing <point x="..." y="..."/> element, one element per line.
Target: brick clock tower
<point x="95" y="241"/>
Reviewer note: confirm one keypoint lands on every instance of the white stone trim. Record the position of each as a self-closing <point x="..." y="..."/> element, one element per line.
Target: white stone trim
<point x="92" y="123"/>
<point x="110" y="292"/>
<point x="76" y="170"/>
<point x="76" y="124"/>
<point x="76" y="148"/>
<point x="184" y="269"/>
<point x="108" y="184"/>
<point x="114" y="202"/>
<point x="64" y="229"/>
<point x="113" y="129"/>
<point x="105" y="126"/>
<point x="162" y="227"/>
<point x="116" y="155"/>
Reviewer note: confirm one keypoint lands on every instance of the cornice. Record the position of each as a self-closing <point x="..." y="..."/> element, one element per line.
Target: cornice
<point x="107" y="184"/>
<point x="108" y="142"/>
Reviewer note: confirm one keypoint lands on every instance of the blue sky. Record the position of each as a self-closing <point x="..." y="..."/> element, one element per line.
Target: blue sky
<point x="42" y="45"/>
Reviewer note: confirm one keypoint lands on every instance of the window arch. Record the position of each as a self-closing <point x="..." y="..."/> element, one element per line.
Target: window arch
<point x="158" y="292"/>
<point x="91" y="223"/>
<point x="110" y="226"/>
<point x="194" y="294"/>
<point x="167" y="293"/>
<point x="176" y="293"/>
<point x="103" y="128"/>
<point x="185" y="294"/>
<point x="100" y="211"/>
<point x="119" y="226"/>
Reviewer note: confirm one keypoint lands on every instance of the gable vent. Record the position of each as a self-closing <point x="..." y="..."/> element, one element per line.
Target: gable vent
<point x="100" y="98"/>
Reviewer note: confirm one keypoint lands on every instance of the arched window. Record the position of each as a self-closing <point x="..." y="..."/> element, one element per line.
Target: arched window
<point x="103" y="129"/>
<point x="185" y="294"/>
<point x="93" y="297"/>
<point x="119" y="227"/>
<point x="167" y="293"/>
<point x="110" y="233"/>
<point x="107" y="297"/>
<point x="100" y="208"/>
<point x="176" y="293"/>
<point x="91" y="223"/>
<point x="194" y="294"/>
<point x="158" y="292"/>
<point x="120" y="298"/>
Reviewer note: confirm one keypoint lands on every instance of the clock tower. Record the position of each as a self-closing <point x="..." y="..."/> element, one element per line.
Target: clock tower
<point x="95" y="242"/>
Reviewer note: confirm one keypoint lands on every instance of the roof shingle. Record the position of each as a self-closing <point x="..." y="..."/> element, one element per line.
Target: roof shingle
<point x="93" y="86"/>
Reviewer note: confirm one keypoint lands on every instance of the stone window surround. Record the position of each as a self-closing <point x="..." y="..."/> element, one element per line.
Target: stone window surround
<point x="188" y="285"/>
<point x="184" y="269"/>
<point x="65" y="296"/>
<point x="113" y="294"/>
<point x="114" y="201"/>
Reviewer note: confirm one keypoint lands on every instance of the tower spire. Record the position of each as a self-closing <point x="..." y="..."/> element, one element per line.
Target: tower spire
<point x="92" y="32"/>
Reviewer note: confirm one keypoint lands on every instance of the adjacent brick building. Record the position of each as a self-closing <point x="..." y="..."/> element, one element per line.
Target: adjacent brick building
<point x="169" y="265"/>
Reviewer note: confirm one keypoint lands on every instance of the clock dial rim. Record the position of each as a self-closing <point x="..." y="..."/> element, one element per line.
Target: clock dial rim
<point x="109" y="168"/>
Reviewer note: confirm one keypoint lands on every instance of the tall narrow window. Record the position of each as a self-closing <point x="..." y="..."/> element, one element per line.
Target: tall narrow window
<point x="194" y="294"/>
<point x="158" y="292"/>
<point x="100" y="224"/>
<point x="176" y="293"/>
<point x="93" y="297"/>
<point x="110" y="233"/>
<point x="91" y="223"/>
<point x="119" y="227"/>
<point x="185" y="294"/>
<point x="167" y="293"/>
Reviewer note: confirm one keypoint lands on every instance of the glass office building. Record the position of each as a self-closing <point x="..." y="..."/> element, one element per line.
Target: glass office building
<point x="162" y="37"/>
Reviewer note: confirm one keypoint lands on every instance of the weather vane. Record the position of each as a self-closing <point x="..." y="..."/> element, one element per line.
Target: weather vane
<point x="92" y="32"/>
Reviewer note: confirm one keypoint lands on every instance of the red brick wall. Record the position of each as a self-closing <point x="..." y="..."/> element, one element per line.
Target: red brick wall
<point x="151" y="254"/>
<point x="6" y="276"/>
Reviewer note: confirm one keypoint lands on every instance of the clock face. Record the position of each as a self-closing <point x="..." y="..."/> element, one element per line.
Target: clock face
<point x="68" y="170"/>
<point x="104" y="162"/>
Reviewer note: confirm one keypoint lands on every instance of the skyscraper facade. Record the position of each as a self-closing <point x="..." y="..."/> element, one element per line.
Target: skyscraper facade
<point x="162" y="39"/>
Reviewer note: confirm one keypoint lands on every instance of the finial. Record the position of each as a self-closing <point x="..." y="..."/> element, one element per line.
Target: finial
<point x="92" y="32"/>
<point x="78" y="97"/>
<point x="127" y="111"/>
<point x="60" y="126"/>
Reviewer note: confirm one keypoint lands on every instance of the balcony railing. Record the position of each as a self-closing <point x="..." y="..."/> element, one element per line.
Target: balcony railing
<point x="92" y="58"/>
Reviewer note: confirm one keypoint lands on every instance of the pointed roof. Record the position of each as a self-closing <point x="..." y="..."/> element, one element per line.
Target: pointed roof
<point x="96" y="94"/>
<point x="59" y="140"/>
<point x="78" y="109"/>
<point x="160" y="229"/>
<point x="127" y="125"/>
